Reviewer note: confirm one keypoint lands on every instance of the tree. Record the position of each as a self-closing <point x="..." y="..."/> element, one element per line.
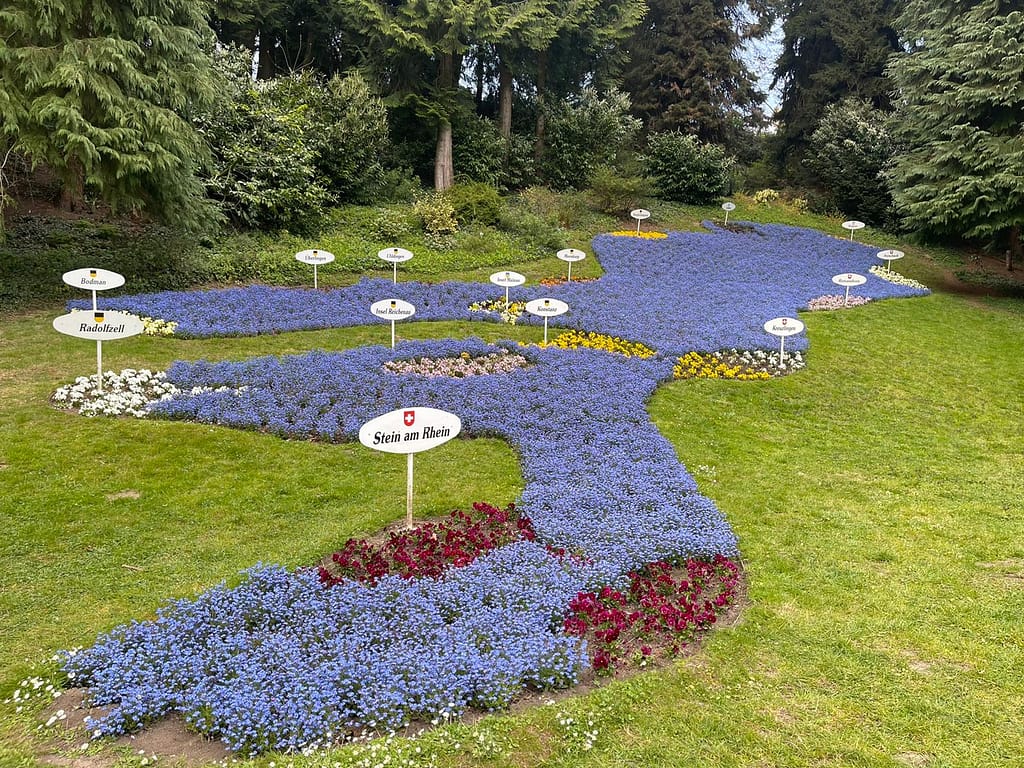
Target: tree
<point x="100" y="91"/>
<point x="849" y="150"/>
<point x="830" y="50"/>
<point x="960" y="109"/>
<point x="686" y="71"/>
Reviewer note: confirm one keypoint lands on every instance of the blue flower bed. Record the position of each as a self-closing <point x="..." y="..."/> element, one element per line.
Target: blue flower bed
<point x="688" y="292"/>
<point x="281" y="662"/>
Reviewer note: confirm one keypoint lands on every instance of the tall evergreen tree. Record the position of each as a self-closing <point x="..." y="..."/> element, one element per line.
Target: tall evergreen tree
<point x="100" y="91"/>
<point x="961" y="118"/>
<point x="686" y="72"/>
<point x="831" y="50"/>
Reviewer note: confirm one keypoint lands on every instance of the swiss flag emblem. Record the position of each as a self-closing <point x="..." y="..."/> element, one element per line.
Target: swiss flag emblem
<point x="409" y="417"/>
<point x="784" y="321"/>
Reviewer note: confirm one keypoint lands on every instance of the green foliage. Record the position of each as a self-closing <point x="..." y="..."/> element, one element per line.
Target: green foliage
<point x="686" y="72"/>
<point x="478" y="150"/>
<point x="960" y="115"/>
<point x="614" y="192"/>
<point x="684" y="169"/>
<point x="851" y="146"/>
<point x="436" y="212"/>
<point x="830" y="51"/>
<point x="100" y="92"/>
<point x="476" y="203"/>
<point x="584" y="133"/>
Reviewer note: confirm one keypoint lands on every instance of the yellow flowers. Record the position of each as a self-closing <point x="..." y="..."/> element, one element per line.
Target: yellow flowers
<point x="153" y="326"/>
<point x="694" y="365"/>
<point x="611" y="344"/>
<point x="642" y="235"/>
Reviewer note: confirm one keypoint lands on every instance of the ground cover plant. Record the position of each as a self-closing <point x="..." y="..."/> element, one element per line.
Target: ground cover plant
<point x="827" y="672"/>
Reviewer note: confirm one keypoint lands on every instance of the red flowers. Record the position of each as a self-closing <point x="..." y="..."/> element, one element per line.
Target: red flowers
<point x="427" y="550"/>
<point x="656" y="610"/>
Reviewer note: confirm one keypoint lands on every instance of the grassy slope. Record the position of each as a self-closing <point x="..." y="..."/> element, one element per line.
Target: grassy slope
<point x="876" y="495"/>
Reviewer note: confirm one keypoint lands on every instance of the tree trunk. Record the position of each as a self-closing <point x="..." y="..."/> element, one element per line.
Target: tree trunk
<point x="478" y="97"/>
<point x="72" y="193"/>
<point x="504" y="98"/>
<point x="1014" y="250"/>
<point x="265" y="66"/>
<point x="444" y="169"/>
<point x="542" y="77"/>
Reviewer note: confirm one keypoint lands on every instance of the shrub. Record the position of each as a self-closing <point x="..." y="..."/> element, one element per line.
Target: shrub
<point x="436" y="212"/>
<point x="684" y="169"/>
<point x="614" y="193"/>
<point x="583" y="134"/>
<point x="476" y="203"/>
<point x="852" y="144"/>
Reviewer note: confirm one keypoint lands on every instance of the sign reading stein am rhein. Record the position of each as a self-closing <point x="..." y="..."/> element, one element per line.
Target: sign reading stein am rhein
<point x="409" y="431"/>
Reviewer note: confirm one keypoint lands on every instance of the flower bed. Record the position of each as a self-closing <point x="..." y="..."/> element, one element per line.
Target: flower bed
<point x="895" y="278"/>
<point x="836" y="301"/>
<point x="641" y="235"/>
<point x="461" y="365"/>
<point x="128" y="393"/>
<point x="590" y="340"/>
<point x="756" y="365"/>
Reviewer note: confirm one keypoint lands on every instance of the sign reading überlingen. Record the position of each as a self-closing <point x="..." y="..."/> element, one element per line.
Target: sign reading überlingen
<point x="315" y="257"/>
<point x="98" y="325"/>
<point x="410" y="430"/>
<point x="89" y="279"/>
<point x="784" y="326"/>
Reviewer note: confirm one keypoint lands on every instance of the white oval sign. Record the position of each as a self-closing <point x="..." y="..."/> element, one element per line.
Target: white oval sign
<point x="100" y="325"/>
<point x="849" y="279"/>
<point x="392" y="309"/>
<point x="410" y="430"/>
<point x="89" y="279"/>
<point x="507" y="279"/>
<point x="784" y="326"/>
<point x="394" y="255"/>
<point x="640" y="213"/>
<point x="890" y="255"/>
<point x="571" y="254"/>
<point x="728" y="206"/>
<point x="852" y="225"/>
<point x="546" y="307"/>
<point x="315" y="256"/>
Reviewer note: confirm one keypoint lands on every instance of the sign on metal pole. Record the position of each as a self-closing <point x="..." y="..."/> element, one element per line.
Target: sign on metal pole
<point x="783" y="327"/>
<point x="507" y="279"/>
<point x="410" y="431"/>
<point x="853" y="226"/>
<point x="570" y="255"/>
<point x="392" y="309"/>
<point x="728" y="208"/>
<point x="639" y="214"/>
<point x="546" y="308"/>
<point x="315" y="257"/>
<point x="849" y="279"/>
<point x="395" y="256"/>
<point x="889" y="256"/>
<point x="92" y="279"/>
<point x="101" y="325"/>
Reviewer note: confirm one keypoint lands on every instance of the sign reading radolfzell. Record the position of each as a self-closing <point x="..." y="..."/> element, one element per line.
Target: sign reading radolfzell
<point x="102" y="325"/>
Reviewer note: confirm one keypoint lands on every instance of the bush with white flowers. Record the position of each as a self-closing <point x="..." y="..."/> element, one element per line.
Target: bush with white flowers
<point x="128" y="393"/>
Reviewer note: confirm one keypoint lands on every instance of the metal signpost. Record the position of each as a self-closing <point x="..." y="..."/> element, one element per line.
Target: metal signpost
<point x="392" y="309"/>
<point x="783" y="327"/>
<point x="640" y="214"/>
<point x="570" y="255"/>
<point x="314" y="257"/>
<point x="396" y="256"/>
<point x="853" y="226"/>
<point x="508" y="279"/>
<point x="728" y="208"/>
<point x="546" y="308"/>
<point x="889" y="256"/>
<point x="849" y="279"/>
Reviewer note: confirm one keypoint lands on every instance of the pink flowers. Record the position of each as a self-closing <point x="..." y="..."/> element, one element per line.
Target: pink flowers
<point x="663" y="608"/>
<point x="427" y="550"/>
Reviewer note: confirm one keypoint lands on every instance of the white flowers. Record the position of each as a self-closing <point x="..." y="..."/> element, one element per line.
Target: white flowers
<point x="895" y="277"/>
<point x="128" y="393"/>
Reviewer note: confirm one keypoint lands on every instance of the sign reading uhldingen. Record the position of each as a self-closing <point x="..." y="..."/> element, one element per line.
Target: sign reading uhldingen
<point x="410" y="431"/>
<point x="783" y="327"/>
<point x="315" y="257"/>
<point x="546" y="308"/>
<point x="394" y="256"/>
<point x="392" y="309"/>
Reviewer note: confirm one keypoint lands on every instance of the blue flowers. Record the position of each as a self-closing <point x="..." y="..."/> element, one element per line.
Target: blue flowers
<point x="281" y="662"/>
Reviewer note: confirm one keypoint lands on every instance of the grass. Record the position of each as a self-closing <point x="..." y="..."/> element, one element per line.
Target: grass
<point x="876" y="494"/>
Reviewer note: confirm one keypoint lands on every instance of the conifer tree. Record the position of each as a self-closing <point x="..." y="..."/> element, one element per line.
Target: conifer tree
<point x="99" y="91"/>
<point x="961" y="118"/>
<point x="686" y="72"/>
<point x="830" y="50"/>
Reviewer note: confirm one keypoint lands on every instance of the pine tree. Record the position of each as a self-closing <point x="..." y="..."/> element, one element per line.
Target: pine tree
<point x="961" y="118"/>
<point x="686" y="72"/>
<point x="99" y="91"/>
<point x="830" y="50"/>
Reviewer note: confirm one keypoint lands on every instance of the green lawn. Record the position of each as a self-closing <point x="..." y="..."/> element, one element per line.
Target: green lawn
<point x="877" y="496"/>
